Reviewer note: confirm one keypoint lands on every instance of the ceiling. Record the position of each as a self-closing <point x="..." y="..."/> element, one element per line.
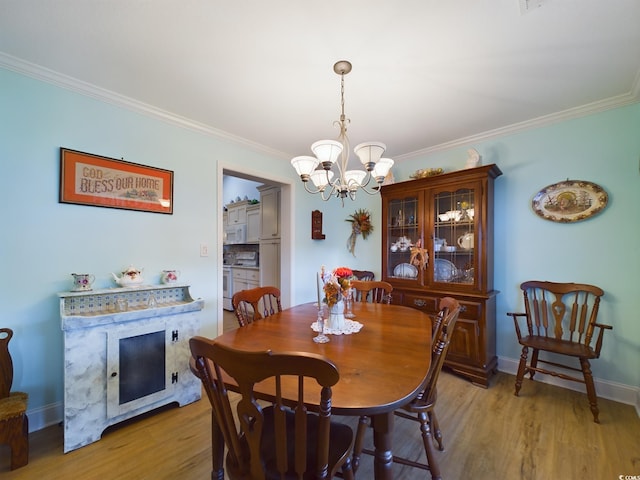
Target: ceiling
<point x="426" y="74"/>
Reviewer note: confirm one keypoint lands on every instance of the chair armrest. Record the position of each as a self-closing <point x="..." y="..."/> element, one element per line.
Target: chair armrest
<point x="515" y="316"/>
<point x="602" y="325"/>
<point x="602" y="328"/>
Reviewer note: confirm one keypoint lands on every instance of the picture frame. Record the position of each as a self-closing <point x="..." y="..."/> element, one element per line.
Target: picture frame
<point x="94" y="180"/>
<point x="570" y="201"/>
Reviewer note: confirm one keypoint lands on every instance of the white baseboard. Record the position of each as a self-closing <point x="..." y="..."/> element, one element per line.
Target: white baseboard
<point x="617" y="392"/>
<point x="46" y="416"/>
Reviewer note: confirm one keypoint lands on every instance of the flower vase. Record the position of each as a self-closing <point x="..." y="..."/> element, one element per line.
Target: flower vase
<point x="336" y="316"/>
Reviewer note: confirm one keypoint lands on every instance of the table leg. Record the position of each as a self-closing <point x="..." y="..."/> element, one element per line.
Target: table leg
<point x="217" y="450"/>
<point x="382" y="438"/>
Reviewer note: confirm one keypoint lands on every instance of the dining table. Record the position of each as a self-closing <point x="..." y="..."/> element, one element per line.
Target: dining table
<point x="382" y="366"/>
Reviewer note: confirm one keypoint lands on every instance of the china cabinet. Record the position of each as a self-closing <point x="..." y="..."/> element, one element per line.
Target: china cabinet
<point x="437" y="240"/>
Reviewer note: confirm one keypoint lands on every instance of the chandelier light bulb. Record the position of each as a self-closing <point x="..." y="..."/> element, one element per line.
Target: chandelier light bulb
<point x="321" y="178"/>
<point x="370" y="153"/>
<point x="304" y="165"/>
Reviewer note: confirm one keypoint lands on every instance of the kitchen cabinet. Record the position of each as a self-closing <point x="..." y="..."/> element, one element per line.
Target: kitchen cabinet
<point x="245" y="278"/>
<point x="437" y="240"/>
<point x="253" y="223"/>
<point x="237" y="213"/>
<point x="270" y="263"/>
<point x="269" y="212"/>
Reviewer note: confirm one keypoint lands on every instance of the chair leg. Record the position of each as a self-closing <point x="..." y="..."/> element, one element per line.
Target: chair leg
<point x="435" y="428"/>
<point x="19" y="441"/>
<point x="425" y="428"/>
<point x="534" y="362"/>
<point x="363" y="423"/>
<point x="591" y="389"/>
<point x="347" y="470"/>
<point x="522" y="367"/>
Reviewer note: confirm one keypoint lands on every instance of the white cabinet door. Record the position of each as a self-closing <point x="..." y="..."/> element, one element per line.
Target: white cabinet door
<point x="253" y="224"/>
<point x="236" y="214"/>
<point x="270" y="213"/>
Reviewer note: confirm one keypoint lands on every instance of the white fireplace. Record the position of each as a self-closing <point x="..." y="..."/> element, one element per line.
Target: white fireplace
<point x="121" y="362"/>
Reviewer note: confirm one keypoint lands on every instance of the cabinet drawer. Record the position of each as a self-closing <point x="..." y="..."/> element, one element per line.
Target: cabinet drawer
<point x="250" y="275"/>
<point x="471" y="310"/>
<point x="426" y="303"/>
<point x="253" y="275"/>
<point x="239" y="274"/>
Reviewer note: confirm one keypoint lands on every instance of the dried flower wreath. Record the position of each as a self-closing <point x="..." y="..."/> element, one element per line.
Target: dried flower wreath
<point x="360" y="225"/>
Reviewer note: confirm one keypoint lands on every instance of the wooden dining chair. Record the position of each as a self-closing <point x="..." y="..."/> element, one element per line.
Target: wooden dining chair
<point x="256" y="303"/>
<point x="283" y="439"/>
<point x="561" y="319"/>
<point x="375" y="291"/>
<point x="421" y="408"/>
<point x="365" y="275"/>
<point x="14" y="423"/>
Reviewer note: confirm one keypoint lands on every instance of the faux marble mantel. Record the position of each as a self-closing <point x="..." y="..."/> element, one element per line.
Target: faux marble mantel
<point x="92" y="325"/>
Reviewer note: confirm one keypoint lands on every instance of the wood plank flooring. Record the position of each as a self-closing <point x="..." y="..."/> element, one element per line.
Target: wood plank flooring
<point x="546" y="433"/>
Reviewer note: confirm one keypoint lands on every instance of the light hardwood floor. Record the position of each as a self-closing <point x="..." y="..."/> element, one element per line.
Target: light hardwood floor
<point x="489" y="434"/>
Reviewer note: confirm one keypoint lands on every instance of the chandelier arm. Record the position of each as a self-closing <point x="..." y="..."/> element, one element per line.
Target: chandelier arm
<point x="375" y="190"/>
<point x="306" y="187"/>
<point x="368" y="180"/>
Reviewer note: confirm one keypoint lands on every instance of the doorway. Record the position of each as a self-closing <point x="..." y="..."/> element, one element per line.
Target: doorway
<point x="232" y="178"/>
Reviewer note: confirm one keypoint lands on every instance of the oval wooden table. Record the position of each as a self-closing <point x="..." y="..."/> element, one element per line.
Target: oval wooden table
<point x="381" y="367"/>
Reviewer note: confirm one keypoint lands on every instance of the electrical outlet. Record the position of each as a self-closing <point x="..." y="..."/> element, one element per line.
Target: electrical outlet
<point x="204" y="250"/>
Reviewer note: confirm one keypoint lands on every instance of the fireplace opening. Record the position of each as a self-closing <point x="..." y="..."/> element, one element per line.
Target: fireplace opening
<point x="142" y="366"/>
<point x="139" y="369"/>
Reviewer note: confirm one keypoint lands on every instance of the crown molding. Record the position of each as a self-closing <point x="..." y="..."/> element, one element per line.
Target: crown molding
<point x="64" y="81"/>
<point x="629" y="98"/>
<point x="78" y="86"/>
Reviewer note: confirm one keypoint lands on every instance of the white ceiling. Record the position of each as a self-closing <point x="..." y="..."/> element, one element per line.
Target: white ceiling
<point x="426" y="74"/>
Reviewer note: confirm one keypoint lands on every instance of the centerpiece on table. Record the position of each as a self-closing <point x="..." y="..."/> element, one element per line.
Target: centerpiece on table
<point x="336" y="288"/>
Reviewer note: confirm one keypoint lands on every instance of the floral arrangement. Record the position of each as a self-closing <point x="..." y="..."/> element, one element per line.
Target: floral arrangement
<point x="360" y="225"/>
<point x="335" y="283"/>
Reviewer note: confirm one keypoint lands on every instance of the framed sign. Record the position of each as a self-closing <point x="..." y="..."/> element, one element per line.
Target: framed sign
<point x="87" y="179"/>
<point x="569" y="201"/>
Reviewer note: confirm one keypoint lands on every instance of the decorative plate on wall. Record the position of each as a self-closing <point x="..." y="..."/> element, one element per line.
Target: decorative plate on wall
<point x="569" y="201"/>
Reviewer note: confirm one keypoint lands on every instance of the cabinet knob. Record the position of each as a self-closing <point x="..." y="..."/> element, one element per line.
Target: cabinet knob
<point x="419" y="302"/>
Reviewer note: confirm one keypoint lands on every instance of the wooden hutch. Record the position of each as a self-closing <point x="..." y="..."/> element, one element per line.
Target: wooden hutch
<point x="448" y="218"/>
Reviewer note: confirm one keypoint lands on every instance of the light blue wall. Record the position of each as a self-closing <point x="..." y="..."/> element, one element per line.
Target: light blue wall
<point x="604" y="250"/>
<point x="43" y="241"/>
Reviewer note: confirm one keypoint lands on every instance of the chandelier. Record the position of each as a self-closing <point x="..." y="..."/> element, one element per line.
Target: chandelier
<point x="319" y="169"/>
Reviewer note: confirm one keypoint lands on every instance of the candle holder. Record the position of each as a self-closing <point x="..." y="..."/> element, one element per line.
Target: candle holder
<point x="321" y="320"/>
<point x="348" y="304"/>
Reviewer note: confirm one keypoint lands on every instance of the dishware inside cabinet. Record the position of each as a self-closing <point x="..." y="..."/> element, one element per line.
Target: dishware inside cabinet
<point x="403" y="234"/>
<point x="453" y="242"/>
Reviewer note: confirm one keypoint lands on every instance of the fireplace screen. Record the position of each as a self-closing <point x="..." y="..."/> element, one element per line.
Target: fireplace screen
<point x="142" y="366"/>
<point x="139" y="369"/>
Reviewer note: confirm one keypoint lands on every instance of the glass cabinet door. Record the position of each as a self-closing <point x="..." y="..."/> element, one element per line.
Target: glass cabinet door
<point x="454" y="243"/>
<point x="404" y="231"/>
